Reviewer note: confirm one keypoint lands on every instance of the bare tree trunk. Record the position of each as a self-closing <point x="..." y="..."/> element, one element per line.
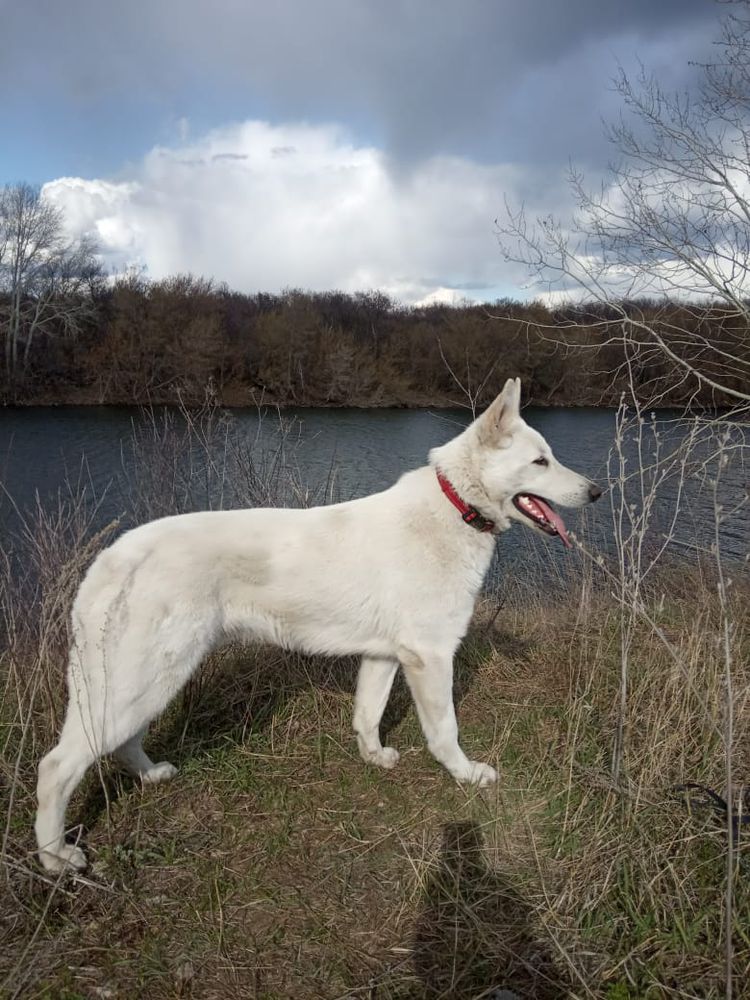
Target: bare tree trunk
<point x="48" y="283"/>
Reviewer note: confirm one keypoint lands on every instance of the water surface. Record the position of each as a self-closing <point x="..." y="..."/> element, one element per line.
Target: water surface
<point x="114" y="453"/>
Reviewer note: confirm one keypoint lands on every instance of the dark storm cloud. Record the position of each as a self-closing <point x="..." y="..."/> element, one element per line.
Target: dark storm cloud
<point x="489" y="80"/>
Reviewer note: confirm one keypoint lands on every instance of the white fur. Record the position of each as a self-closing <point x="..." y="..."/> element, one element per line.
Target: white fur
<point x="392" y="577"/>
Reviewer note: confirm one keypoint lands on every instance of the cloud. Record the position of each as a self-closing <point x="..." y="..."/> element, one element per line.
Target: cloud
<point x="229" y="156"/>
<point x="264" y="207"/>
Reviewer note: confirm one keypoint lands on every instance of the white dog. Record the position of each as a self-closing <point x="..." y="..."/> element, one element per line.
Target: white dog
<point x="392" y="577"/>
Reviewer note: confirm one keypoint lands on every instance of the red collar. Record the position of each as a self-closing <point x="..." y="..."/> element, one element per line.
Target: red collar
<point x="470" y="515"/>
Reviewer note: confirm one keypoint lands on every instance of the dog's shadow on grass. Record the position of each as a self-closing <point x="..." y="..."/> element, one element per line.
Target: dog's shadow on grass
<point x="237" y="695"/>
<point x="475" y="934"/>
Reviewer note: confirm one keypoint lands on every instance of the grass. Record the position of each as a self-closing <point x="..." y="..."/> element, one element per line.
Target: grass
<point x="278" y="865"/>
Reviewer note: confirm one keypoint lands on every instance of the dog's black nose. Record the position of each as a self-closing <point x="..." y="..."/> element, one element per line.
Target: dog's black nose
<point x="594" y="492"/>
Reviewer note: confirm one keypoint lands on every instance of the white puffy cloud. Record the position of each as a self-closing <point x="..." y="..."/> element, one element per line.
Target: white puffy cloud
<point x="264" y="207"/>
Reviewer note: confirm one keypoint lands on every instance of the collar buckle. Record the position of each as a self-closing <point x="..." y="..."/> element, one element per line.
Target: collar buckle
<point x="469" y="515"/>
<point x="474" y="519"/>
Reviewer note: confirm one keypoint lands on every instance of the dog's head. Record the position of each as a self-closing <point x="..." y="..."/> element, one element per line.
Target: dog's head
<point x="519" y="472"/>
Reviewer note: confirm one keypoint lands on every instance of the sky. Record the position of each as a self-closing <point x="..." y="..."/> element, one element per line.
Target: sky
<point x="319" y="144"/>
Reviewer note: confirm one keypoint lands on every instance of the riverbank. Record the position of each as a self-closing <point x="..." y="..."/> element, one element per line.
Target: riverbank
<point x="245" y="399"/>
<point x="278" y="865"/>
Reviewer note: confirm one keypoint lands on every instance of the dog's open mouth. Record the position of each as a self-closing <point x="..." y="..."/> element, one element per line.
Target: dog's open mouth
<point x="543" y="516"/>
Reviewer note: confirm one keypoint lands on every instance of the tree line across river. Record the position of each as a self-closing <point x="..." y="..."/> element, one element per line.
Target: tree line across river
<point x="141" y="342"/>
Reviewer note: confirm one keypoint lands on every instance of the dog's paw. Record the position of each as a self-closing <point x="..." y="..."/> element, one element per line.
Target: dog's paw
<point x="158" y="773"/>
<point x="478" y="774"/>
<point x="386" y="757"/>
<point x="68" y="856"/>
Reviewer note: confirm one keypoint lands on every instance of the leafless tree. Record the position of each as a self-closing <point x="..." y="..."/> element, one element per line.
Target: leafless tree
<point x="46" y="281"/>
<point x="671" y="223"/>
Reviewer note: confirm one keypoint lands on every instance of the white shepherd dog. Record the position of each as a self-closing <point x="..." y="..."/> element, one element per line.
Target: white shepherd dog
<point x="392" y="577"/>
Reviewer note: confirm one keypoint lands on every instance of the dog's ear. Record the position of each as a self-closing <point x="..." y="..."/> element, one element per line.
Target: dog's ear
<point x="496" y="423"/>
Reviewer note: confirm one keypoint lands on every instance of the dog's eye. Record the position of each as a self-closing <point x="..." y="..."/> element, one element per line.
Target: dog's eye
<point x="541" y="461"/>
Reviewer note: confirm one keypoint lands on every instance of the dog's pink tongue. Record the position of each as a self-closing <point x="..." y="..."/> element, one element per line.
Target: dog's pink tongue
<point x="554" y="518"/>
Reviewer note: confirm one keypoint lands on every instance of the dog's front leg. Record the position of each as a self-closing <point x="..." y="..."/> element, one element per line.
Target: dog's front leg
<point x="430" y="678"/>
<point x="373" y="688"/>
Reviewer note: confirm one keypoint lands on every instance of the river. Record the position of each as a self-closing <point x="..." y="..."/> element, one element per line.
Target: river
<point x="120" y="456"/>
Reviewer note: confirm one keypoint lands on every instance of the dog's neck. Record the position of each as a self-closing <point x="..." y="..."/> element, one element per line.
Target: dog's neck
<point x="456" y="460"/>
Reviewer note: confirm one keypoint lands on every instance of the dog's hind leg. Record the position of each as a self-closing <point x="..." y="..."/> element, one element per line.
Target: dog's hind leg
<point x="59" y="774"/>
<point x="430" y="678"/>
<point x="136" y="761"/>
<point x="88" y="733"/>
<point x="111" y="701"/>
<point x="82" y="742"/>
<point x="373" y="688"/>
